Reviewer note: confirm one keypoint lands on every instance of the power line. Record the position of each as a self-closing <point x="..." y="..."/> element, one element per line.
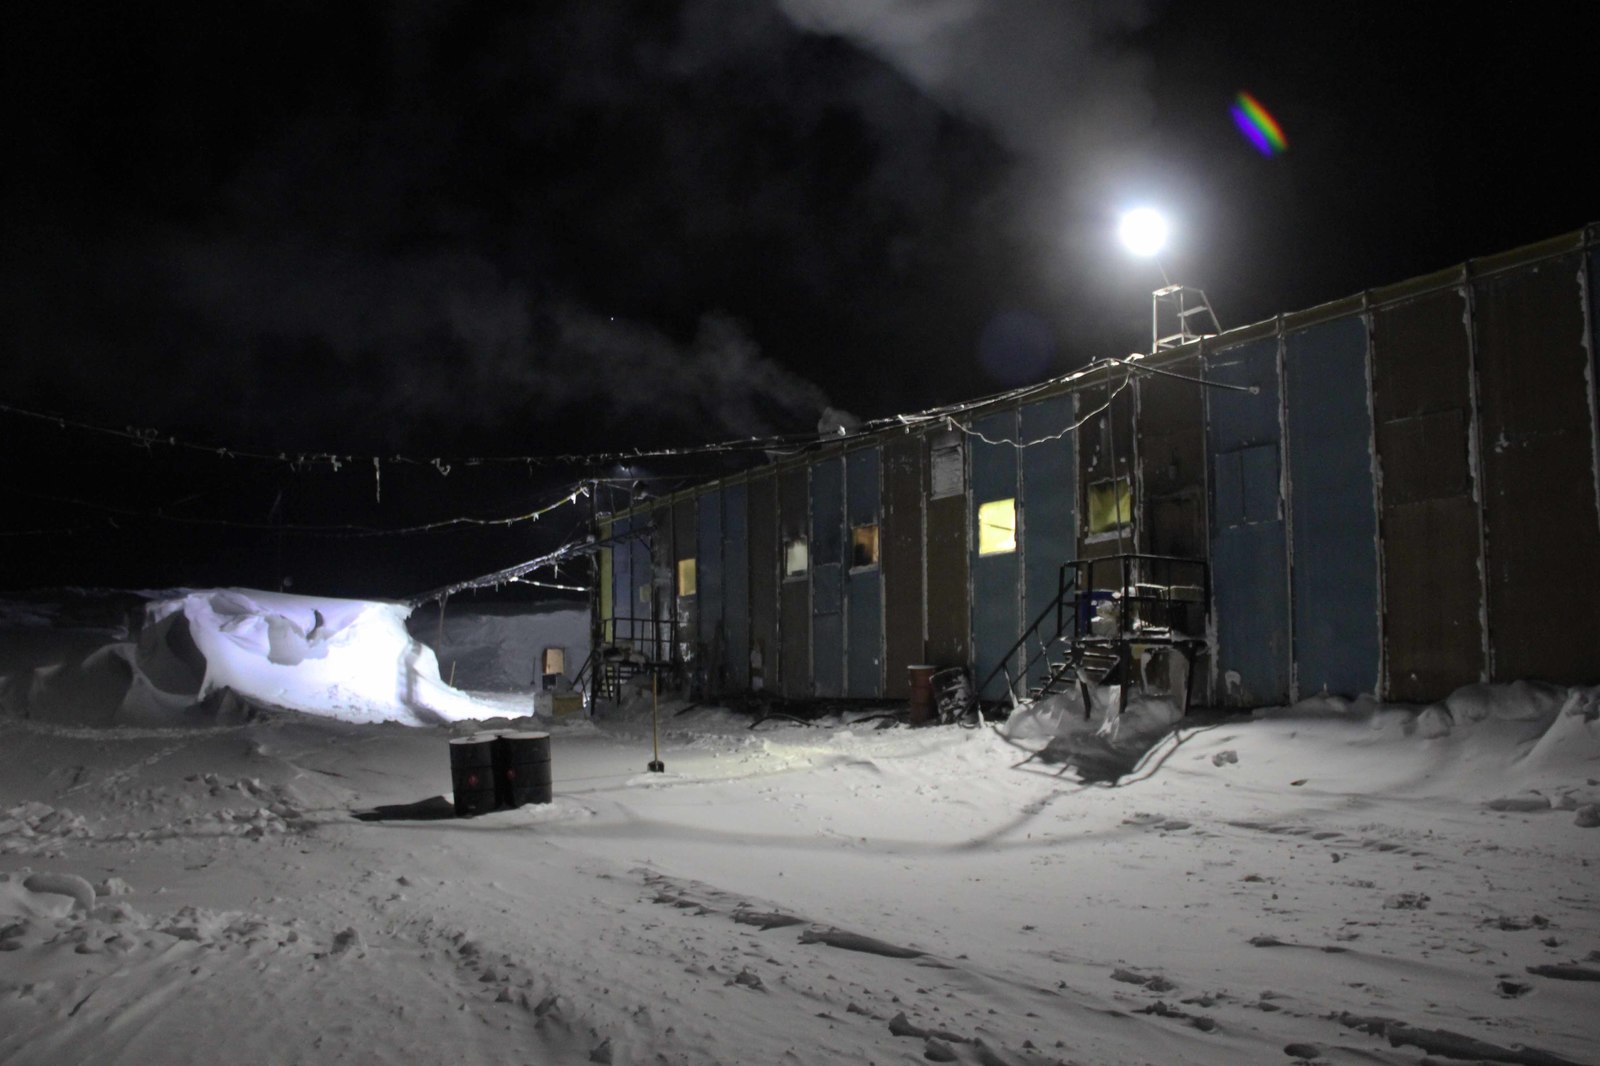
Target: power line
<point x="337" y="530"/>
<point x="788" y="444"/>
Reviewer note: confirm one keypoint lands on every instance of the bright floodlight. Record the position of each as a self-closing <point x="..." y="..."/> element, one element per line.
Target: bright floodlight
<point x="1143" y="231"/>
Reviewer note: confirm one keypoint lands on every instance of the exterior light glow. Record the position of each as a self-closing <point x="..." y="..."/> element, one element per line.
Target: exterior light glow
<point x="1143" y="231"/>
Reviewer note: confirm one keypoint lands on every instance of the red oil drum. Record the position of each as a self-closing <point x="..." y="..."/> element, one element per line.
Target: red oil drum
<point x="921" y="694"/>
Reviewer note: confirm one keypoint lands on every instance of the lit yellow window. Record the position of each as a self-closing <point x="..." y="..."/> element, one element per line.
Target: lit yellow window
<point x="997" y="527"/>
<point x="863" y="546"/>
<point x="1110" y="505"/>
<point x="686" y="577"/>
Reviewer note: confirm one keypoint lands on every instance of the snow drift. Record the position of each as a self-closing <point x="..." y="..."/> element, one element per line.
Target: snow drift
<point x="219" y="654"/>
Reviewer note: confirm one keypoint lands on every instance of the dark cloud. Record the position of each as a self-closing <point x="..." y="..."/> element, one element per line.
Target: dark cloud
<point x="426" y="220"/>
<point x="426" y="224"/>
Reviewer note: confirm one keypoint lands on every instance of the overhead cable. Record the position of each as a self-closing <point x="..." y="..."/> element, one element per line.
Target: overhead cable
<point x="344" y="530"/>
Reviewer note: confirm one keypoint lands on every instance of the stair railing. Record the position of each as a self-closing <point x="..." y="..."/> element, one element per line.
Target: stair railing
<point x="1064" y="585"/>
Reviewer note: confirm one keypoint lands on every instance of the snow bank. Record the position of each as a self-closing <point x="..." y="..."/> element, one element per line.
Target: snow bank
<point x="217" y="655"/>
<point x="347" y="659"/>
<point x="493" y="647"/>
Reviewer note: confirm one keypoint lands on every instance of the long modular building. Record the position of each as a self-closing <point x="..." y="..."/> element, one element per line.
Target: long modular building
<point x="1397" y="494"/>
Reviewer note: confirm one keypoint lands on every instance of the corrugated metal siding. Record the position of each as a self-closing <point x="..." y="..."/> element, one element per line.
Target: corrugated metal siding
<point x="685" y="527"/>
<point x="946" y="547"/>
<point x="1049" y="489"/>
<point x="1249" y="556"/>
<point x="713" y="633"/>
<point x="864" y="621"/>
<point x="1105" y="452"/>
<point x="794" y="613"/>
<point x="996" y="588"/>
<point x="765" y="581"/>
<point x="630" y="567"/>
<point x="663" y="598"/>
<point x="902" y="561"/>
<point x="1334" y="515"/>
<point x="736" y="585"/>
<point x="1172" y="456"/>
<point x="1422" y="404"/>
<point x="606" y="597"/>
<point x="827" y="577"/>
<point x="1540" y="521"/>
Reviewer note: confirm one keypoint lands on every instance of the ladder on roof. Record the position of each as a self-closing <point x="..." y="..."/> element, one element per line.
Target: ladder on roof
<point x="1179" y="315"/>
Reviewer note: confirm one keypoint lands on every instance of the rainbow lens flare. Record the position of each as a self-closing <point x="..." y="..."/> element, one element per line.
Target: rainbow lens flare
<point x="1257" y="125"/>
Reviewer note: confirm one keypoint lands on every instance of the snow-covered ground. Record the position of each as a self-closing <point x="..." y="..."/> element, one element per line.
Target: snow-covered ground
<point x="1330" y="882"/>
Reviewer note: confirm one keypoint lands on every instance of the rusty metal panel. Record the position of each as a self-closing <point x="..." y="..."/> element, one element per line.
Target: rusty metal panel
<point x="794" y="596"/>
<point x="1427" y="518"/>
<point x="946" y="549"/>
<point x="1334" y="589"/>
<point x="864" y="622"/>
<point x="901" y="546"/>
<point x="736" y="585"/>
<point x="1249" y="555"/>
<point x="1049" y="495"/>
<point x="996" y="576"/>
<point x="1541" y="528"/>
<point x="763" y="542"/>
<point x="1170" y="504"/>
<point x="827" y="577"/>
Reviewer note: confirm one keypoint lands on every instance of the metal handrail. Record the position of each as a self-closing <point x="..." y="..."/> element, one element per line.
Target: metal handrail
<point x="1070" y="587"/>
<point x="1062" y="586"/>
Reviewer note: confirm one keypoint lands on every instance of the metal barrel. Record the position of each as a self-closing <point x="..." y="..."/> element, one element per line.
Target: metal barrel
<point x="472" y="776"/>
<point x="921" y="693"/>
<point x="523" y="772"/>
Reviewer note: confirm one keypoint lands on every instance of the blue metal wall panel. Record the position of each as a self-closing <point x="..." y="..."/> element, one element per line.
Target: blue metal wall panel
<point x="736" y="583"/>
<point x="1049" y="498"/>
<point x="1334" y="520"/>
<point x="632" y="575"/>
<point x="1249" y="556"/>
<point x="864" y="614"/>
<point x="827" y="577"/>
<point x="622" y="593"/>
<point x="713" y="636"/>
<point x="996" y="599"/>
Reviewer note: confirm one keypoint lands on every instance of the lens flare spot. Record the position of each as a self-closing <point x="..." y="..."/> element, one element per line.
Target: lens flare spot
<point x="1258" y="125"/>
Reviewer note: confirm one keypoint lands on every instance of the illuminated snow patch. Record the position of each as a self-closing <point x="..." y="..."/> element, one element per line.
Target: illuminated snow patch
<point x="347" y="659"/>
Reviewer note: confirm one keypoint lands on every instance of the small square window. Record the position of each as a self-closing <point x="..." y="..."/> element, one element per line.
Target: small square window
<point x="796" y="557"/>
<point x="997" y="527"/>
<point x="555" y="661"/>
<point x="1110" y="505"/>
<point x="863" y="546"/>
<point x="686" y="577"/>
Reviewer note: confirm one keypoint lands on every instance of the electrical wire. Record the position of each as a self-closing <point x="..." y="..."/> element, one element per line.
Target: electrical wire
<point x="337" y="530"/>
<point x="1020" y="445"/>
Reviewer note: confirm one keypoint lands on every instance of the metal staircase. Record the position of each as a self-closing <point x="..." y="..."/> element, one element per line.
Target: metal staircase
<point x="1122" y="620"/>
<point x="638" y="645"/>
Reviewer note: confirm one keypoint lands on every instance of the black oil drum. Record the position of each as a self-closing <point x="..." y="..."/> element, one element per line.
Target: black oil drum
<point x="524" y="770"/>
<point x="472" y="773"/>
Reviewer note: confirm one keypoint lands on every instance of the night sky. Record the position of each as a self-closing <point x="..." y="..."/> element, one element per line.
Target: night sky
<point x="453" y="229"/>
